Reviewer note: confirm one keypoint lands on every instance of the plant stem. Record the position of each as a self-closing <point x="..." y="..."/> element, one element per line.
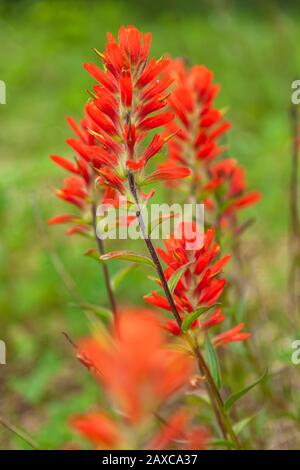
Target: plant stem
<point x="294" y="273"/>
<point x="215" y="397"/>
<point x="101" y="250"/>
<point x="152" y="250"/>
<point x="18" y="432"/>
<point x="221" y="414"/>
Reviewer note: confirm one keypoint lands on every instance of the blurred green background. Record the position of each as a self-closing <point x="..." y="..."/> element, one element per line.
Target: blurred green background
<point x="253" y="48"/>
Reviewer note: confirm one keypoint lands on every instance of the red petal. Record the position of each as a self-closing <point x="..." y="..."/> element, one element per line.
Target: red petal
<point x="156" y="121"/>
<point x="61" y="219"/>
<point x="66" y="164"/>
<point x="168" y="174"/>
<point x="107" y="80"/>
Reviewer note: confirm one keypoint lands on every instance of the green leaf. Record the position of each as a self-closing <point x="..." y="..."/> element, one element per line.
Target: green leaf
<point x="191" y="317"/>
<point x="223" y="443"/>
<point x="128" y="256"/>
<point x="117" y="279"/>
<point x="239" y="426"/>
<point x="196" y="399"/>
<point x="213" y="362"/>
<point x="160" y="221"/>
<point x="102" y="312"/>
<point x="236" y="396"/>
<point x="176" y="276"/>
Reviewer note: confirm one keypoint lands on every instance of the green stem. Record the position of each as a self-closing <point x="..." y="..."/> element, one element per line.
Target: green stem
<point x="101" y="250"/>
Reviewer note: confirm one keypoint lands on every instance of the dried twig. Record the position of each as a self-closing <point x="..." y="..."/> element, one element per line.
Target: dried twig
<point x="18" y="432"/>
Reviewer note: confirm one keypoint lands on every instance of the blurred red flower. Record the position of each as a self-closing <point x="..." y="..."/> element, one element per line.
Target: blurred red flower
<point x="139" y="370"/>
<point x="197" y="128"/>
<point x="179" y="428"/>
<point x="198" y="125"/>
<point x="136" y="364"/>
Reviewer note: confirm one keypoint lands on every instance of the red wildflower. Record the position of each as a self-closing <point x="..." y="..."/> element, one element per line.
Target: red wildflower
<point x="136" y="365"/>
<point x="198" y="286"/>
<point x="198" y="126"/>
<point x="201" y="267"/>
<point x="128" y="103"/>
<point x="139" y="369"/>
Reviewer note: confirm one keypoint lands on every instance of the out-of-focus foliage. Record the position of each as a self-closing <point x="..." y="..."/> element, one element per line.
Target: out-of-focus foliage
<point x="255" y="56"/>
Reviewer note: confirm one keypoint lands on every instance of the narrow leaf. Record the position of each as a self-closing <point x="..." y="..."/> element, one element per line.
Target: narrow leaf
<point x="240" y="425"/>
<point x="236" y="396"/>
<point x="196" y="399"/>
<point x="191" y="317"/>
<point x="128" y="256"/>
<point x="176" y="276"/>
<point x="223" y="443"/>
<point x="213" y="361"/>
<point x="120" y="275"/>
<point x="157" y="222"/>
<point x="102" y="312"/>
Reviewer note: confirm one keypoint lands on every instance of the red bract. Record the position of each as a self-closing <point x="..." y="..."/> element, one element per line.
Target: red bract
<point x="233" y="335"/>
<point x="226" y="189"/>
<point x="200" y="284"/>
<point x="198" y="127"/>
<point x="79" y="189"/>
<point x="128" y="103"/>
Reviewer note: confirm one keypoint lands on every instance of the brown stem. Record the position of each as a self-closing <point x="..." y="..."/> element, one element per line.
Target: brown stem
<point x="215" y="397"/>
<point x="294" y="270"/>
<point x="152" y="251"/>
<point x="101" y="250"/>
